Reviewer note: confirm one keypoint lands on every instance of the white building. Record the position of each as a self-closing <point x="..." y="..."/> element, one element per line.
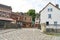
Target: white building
<point x="50" y="15"/>
<point x="37" y="20"/>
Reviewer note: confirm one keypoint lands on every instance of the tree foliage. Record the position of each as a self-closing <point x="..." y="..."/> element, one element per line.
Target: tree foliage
<point x="31" y="12"/>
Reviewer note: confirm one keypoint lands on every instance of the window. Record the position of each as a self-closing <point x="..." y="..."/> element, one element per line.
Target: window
<point x="49" y="9"/>
<point x="25" y="18"/>
<point x="49" y="15"/>
<point x="36" y="22"/>
<point x="30" y="18"/>
<point x="37" y="18"/>
<point x="55" y="23"/>
<point x="47" y="23"/>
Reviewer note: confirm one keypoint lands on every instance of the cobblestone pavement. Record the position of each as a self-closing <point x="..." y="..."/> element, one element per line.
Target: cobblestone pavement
<point x="25" y="34"/>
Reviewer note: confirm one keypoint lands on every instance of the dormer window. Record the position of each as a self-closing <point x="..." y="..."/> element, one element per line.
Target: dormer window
<point x="49" y="9"/>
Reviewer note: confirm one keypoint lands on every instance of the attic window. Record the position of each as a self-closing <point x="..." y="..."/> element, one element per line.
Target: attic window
<point x="49" y="9"/>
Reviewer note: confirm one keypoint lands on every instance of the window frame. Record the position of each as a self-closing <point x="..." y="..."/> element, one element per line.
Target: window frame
<point x="55" y="23"/>
<point x="50" y="10"/>
<point x="49" y="16"/>
<point x="47" y="23"/>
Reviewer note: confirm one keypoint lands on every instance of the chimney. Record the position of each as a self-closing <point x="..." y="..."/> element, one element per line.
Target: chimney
<point x="57" y="5"/>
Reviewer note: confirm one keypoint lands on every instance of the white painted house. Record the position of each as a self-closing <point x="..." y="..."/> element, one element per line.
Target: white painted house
<point x="37" y="20"/>
<point x="50" y="15"/>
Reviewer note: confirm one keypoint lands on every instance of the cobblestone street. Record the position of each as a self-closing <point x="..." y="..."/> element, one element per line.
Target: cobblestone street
<point x="25" y="34"/>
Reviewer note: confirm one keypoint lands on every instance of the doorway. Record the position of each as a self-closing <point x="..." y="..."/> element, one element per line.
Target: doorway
<point x="47" y="23"/>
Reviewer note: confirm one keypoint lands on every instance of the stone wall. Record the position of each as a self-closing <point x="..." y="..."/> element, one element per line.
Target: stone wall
<point x="43" y="27"/>
<point x="53" y="30"/>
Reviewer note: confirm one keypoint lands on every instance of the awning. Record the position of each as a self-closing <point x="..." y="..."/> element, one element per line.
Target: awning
<point x="6" y="19"/>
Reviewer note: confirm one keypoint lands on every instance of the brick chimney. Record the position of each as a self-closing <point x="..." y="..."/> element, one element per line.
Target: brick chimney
<point x="57" y="5"/>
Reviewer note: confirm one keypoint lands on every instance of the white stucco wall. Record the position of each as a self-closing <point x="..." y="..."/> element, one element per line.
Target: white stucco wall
<point x="55" y="15"/>
<point x="36" y="21"/>
<point x="54" y="27"/>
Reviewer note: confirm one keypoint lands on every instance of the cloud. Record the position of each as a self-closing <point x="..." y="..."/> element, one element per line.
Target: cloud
<point x="25" y="5"/>
<point x="17" y="5"/>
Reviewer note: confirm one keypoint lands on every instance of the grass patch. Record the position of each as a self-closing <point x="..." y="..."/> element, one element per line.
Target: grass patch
<point x="52" y="33"/>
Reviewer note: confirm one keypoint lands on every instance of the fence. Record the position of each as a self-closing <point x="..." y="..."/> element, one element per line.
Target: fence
<point x="53" y="28"/>
<point x="10" y="25"/>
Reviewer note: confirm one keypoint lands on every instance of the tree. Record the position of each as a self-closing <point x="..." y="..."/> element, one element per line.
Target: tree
<point x="31" y="12"/>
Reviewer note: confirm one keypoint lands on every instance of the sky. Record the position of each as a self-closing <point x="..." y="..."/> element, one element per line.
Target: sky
<point x="25" y="5"/>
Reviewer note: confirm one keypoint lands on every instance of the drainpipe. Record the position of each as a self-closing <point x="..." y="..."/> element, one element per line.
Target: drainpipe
<point x="56" y="28"/>
<point x="39" y="21"/>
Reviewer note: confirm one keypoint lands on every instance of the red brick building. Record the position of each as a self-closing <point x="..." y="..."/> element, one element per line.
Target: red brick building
<point x="7" y="17"/>
<point x="5" y="12"/>
<point x="27" y="21"/>
<point x="22" y="19"/>
<point x="37" y="20"/>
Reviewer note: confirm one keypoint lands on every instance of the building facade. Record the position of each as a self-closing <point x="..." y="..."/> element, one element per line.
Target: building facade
<point x="13" y="19"/>
<point x="37" y="20"/>
<point x="22" y="20"/>
<point x="27" y="21"/>
<point x="18" y="17"/>
<point x="50" y="17"/>
<point x="5" y="12"/>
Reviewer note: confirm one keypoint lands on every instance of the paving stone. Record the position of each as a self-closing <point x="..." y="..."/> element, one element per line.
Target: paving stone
<point x="25" y="34"/>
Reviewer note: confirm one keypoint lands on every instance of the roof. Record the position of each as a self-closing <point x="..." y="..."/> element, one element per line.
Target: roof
<point x="47" y="5"/>
<point x="5" y="6"/>
<point x="18" y="13"/>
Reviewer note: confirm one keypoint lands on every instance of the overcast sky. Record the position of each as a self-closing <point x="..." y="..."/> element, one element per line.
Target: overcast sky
<point x="25" y="5"/>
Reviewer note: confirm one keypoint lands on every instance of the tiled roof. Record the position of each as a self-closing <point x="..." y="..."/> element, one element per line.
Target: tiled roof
<point x="47" y="5"/>
<point x="5" y="6"/>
